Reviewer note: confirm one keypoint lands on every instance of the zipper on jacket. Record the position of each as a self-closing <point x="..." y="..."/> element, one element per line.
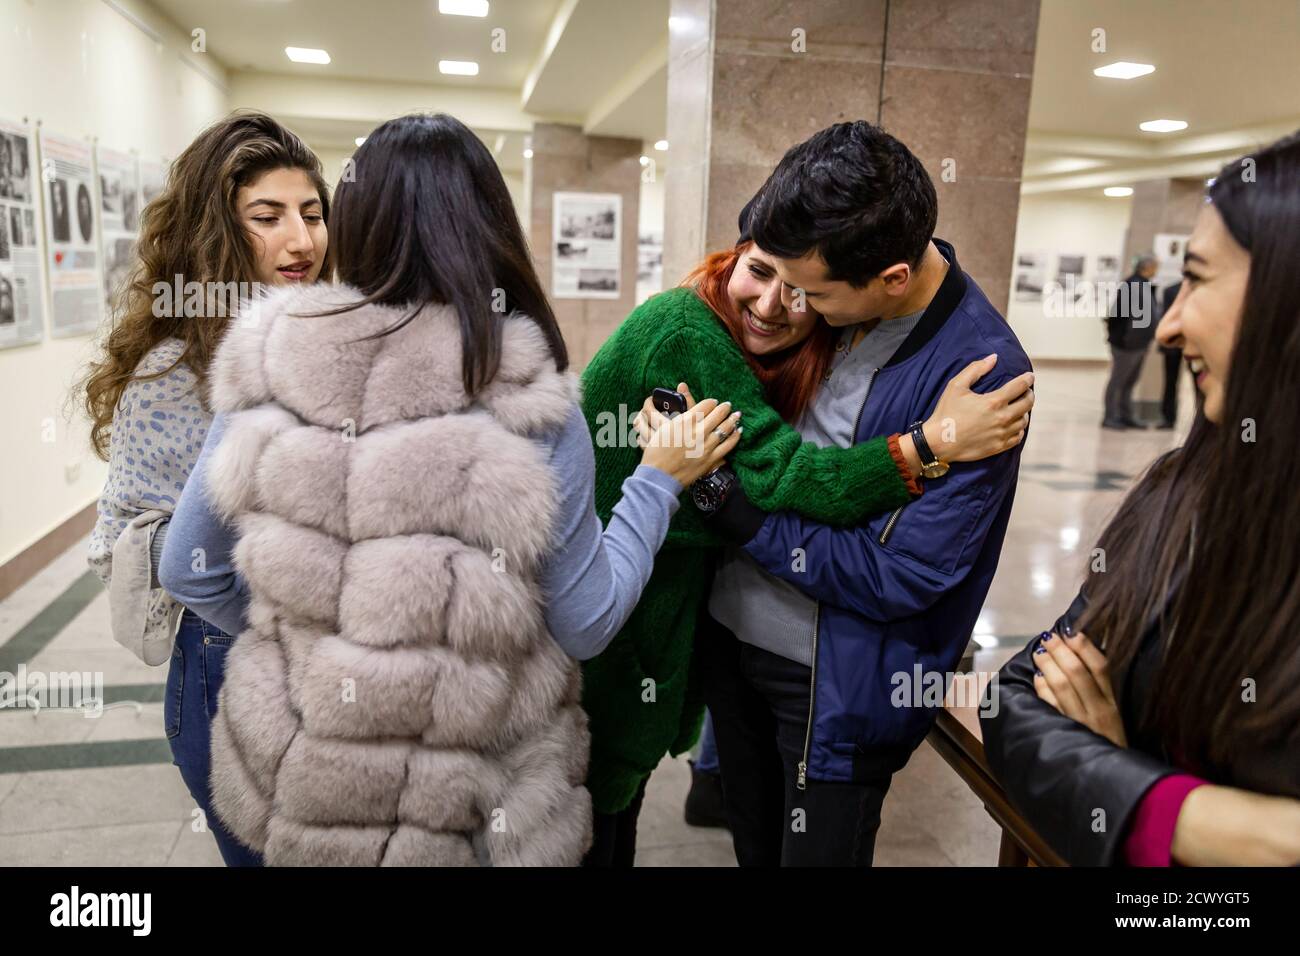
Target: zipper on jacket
<point x="889" y="525"/>
<point x="857" y="423"/>
<point x="801" y="781"/>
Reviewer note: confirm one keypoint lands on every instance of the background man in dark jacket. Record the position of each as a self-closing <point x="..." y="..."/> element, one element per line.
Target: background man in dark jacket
<point x="1130" y="327"/>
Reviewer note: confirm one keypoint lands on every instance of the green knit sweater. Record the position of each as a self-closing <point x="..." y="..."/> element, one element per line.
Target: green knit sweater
<point x="639" y="693"/>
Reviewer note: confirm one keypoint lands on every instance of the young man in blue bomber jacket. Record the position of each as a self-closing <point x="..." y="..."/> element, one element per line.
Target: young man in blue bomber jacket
<point x="811" y="628"/>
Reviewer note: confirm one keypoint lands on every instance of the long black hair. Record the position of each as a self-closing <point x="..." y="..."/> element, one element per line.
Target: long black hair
<point x="421" y="217"/>
<point x="1221" y="514"/>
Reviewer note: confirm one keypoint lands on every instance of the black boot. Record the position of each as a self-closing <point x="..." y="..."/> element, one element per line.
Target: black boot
<point x="704" y="806"/>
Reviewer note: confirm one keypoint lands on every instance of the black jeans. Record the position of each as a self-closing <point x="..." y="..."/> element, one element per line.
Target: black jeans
<point x="613" y="837"/>
<point x="759" y="703"/>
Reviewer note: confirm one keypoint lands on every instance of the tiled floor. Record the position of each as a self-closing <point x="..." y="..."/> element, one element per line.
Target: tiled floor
<point x="102" y="791"/>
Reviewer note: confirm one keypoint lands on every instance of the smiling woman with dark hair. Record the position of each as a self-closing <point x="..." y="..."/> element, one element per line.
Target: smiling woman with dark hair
<point x="403" y="464"/>
<point x="146" y="394"/>
<point x="1167" y="698"/>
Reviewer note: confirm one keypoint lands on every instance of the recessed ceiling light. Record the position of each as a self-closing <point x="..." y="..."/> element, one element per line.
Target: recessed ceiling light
<point x="1124" y="70"/>
<point x="528" y="154"/>
<point x="458" y="67"/>
<point x="300" y="54"/>
<point x="463" y="8"/>
<point x="1118" y="190"/>
<point x="645" y="160"/>
<point x="1162" y="126"/>
<point x="359" y="140"/>
<point x="661" y="145"/>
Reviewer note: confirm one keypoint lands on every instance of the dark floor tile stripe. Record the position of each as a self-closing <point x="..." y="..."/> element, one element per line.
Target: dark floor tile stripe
<point x="33" y="636"/>
<point x="84" y="756"/>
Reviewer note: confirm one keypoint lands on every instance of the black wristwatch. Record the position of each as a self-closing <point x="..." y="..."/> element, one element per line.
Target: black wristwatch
<point x="931" y="466"/>
<point x="712" y="491"/>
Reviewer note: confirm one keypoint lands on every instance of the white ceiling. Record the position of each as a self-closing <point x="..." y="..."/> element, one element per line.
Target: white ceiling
<point x="391" y="40"/>
<point x="1219" y="64"/>
<point x="1230" y="69"/>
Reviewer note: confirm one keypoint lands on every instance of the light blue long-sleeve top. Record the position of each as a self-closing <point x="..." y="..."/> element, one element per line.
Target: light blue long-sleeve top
<point x="591" y="579"/>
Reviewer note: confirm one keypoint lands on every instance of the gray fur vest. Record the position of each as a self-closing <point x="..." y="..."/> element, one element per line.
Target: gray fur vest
<point x="395" y="698"/>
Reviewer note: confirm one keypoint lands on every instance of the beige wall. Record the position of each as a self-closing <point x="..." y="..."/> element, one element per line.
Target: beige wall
<point x="1066" y="224"/>
<point x="82" y="69"/>
<point x="566" y="160"/>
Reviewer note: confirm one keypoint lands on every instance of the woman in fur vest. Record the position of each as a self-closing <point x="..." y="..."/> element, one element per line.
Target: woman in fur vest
<point x="394" y="511"/>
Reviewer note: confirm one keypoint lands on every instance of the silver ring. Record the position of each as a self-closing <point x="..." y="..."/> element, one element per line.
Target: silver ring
<point x="722" y="436"/>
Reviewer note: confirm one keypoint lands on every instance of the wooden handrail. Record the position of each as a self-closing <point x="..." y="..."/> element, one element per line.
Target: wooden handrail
<point x="963" y="749"/>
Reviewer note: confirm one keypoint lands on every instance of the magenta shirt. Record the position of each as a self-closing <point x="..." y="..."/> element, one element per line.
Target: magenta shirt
<point x="1151" y="835"/>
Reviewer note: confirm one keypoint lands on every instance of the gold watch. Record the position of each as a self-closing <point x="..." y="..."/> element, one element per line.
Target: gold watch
<point x="931" y="466"/>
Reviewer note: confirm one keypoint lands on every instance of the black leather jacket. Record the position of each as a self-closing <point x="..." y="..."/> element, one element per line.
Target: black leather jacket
<point x="1076" y="788"/>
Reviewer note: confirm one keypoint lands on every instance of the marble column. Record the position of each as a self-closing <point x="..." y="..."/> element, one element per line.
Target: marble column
<point x="1161" y="205"/>
<point x="747" y="79"/>
<point x="567" y="160"/>
<point x="1168" y="206"/>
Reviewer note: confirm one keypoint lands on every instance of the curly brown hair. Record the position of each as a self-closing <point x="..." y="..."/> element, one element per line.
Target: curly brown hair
<point x="191" y="229"/>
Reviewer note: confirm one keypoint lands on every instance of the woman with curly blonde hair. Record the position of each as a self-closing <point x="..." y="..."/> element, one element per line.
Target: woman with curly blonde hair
<point x="244" y="207"/>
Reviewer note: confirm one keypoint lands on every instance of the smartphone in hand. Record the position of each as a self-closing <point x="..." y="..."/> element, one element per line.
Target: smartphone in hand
<point x="668" y="402"/>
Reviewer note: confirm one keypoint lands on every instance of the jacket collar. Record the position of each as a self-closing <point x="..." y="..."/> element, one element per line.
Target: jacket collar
<point x="951" y="291"/>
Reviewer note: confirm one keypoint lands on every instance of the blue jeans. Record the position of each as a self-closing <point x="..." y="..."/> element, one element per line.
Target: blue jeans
<point x="707" y="761"/>
<point x="197" y="668"/>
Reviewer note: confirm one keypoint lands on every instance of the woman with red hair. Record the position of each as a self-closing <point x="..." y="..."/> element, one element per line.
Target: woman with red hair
<point x="727" y="332"/>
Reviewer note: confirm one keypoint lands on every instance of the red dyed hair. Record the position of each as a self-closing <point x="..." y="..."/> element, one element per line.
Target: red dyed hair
<point x="790" y="377"/>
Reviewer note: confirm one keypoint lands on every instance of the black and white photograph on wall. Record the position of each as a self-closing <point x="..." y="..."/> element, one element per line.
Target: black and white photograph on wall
<point x="72" y="258"/>
<point x="1029" y="286"/>
<point x="598" y="280"/>
<point x="649" y="264"/>
<point x="586" y="244"/>
<point x="1030" y="276"/>
<point x="131" y="210"/>
<point x="110" y="191"/>
<point x="85" y="213"/>
<point x="1170" y="248"/>
<point x="5" y="235"/>
<point x="15" y="178"/>
<point x="1107" y="268"/>
<point x="119" y="189"/>
<point x="60" y="222"/>
<point x="586" y="216"/>
<point x="118" y="196"/>
<point x="1067" y="265"/>
<point x="20" y="266"/>
<point x="7" y="316"/>
<point x="118" y="253"/>
<point x="571" y="250"/>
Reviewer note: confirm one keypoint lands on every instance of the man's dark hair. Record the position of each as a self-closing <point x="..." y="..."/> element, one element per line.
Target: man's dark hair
<point x="855" y="195"/>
